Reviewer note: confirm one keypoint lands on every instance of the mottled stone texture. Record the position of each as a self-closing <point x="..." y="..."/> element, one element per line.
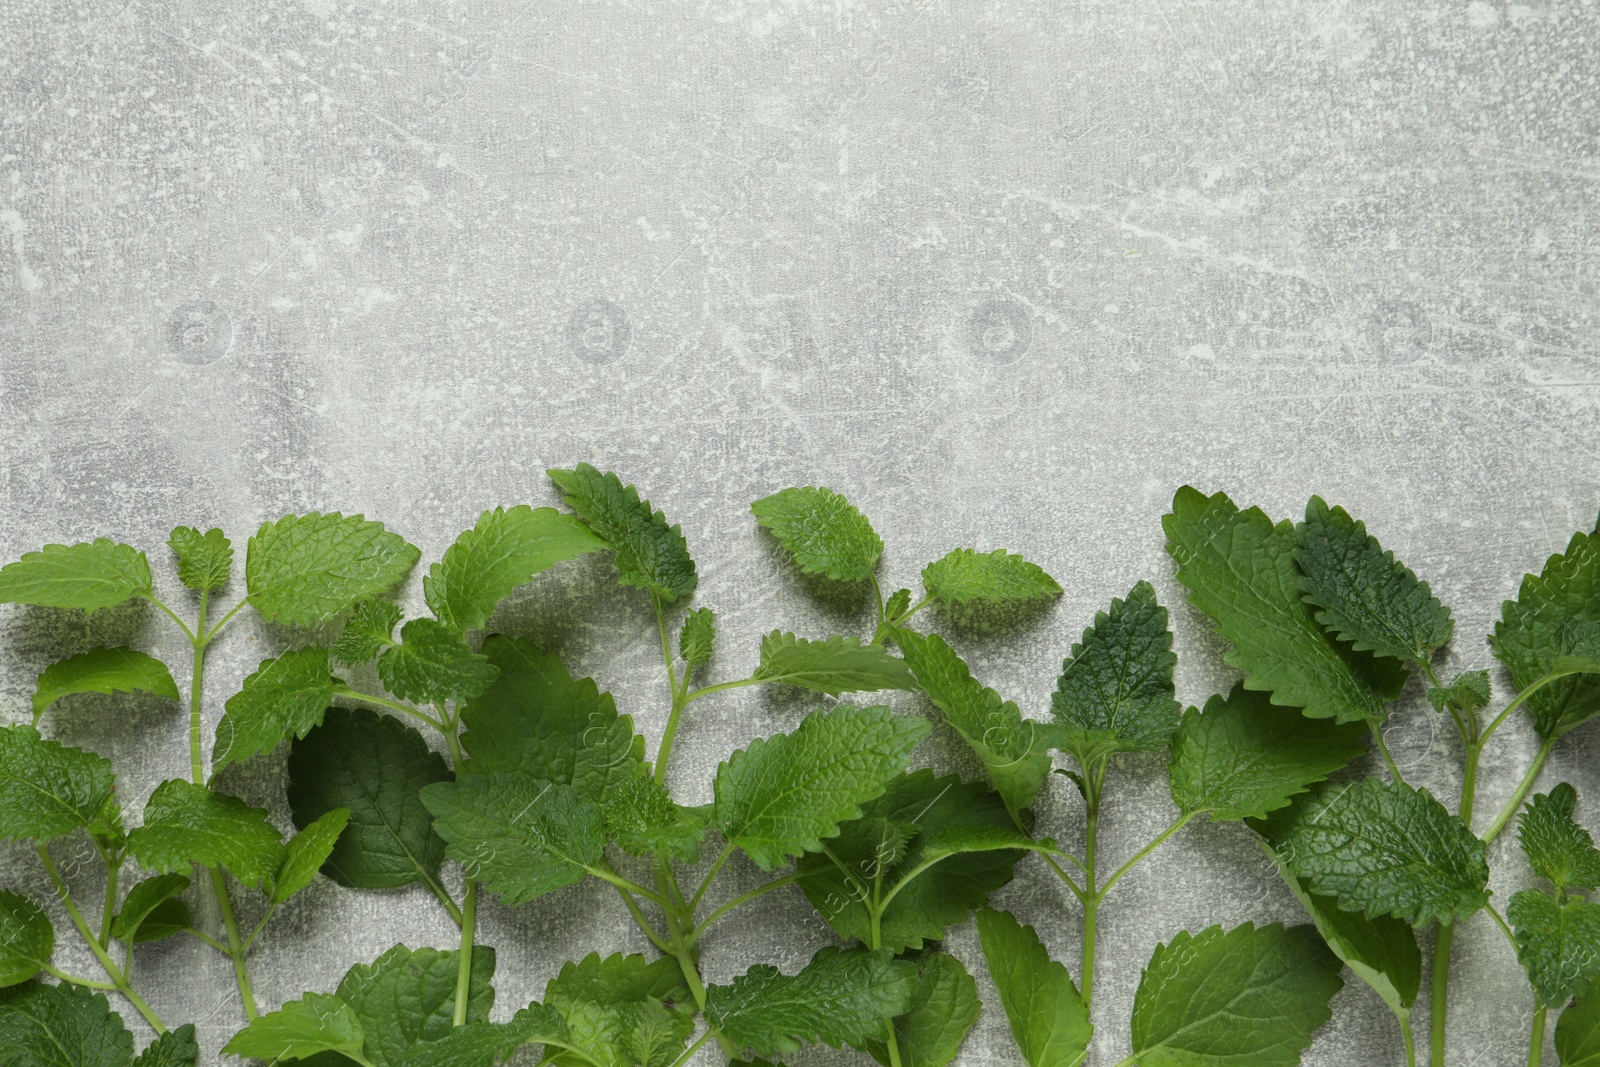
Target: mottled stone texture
<point x="1004" y="273"/>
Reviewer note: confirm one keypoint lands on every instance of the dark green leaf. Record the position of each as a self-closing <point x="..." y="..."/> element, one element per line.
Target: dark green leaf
<point x="102" y="670"/>
<point x="89" y="575"/>
<point x="317" y="1022"/>
<point x="1468" y="693"/>
<point x="1048" y="1018"/>
<point x="1558" y="943"/>
<point x="622" y="1010"/>
<point x="480" y="1044"/>
<point x="1578" y="1030"/>
<point x="1363" y="594"/>
<point x="1249" y="995"/>
<point x="431" y="665"/>
<point x="186" y="823"/>
<point x="48" y="790"/>
<point x="166" y="919"/>
<point x="506" y="548"/>
<point x="943" y="1008"/>
<point x="204" y="559"/>
<point x="1561" y="851"/>
<point x="521" y="837"/>
<point x="26" y="938"/>
<point x="1013" y="749"/>
<point x="998" y="577"/>
<point x="61" y="1026"/>
<point x="642" y="819"/>
<point x="698" y="638"/>
<point x="175" y="1048"/>
<point x="650" y="554"/>
<point x="783" y="795"/>
<point x="823" y="531"/>
<point x="840" y="998"/>
<point x="406" y="997"/>
<point x="1244" y="756"/>
<point x="143" y="900"/>
<point x="307" y="851"/>
<point x="1240" y="570"/>
<point x="374" y="765"/>
<point x="832" y="665"/>
<point x="305" y="569"/>
<point x="368" y="631"/>
<point x="285" y="697"/>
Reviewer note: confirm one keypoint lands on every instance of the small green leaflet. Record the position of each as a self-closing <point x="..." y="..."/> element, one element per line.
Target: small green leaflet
<point x="1561" y="851"/>
<point x="175" y="1048"/>
<point x="144" y="903"/>
<point x="1240" y="571"/>
<point x="1048" y="1018"/>
<point x="506" y="548"/>
<point x="305" y="569"/>
<point x="368" y="631"/>
<point x="1251" y="995"/>
<point x="91" y="575"/>
<point x="832" y="665"/>
<point x="1013" y="749"/>
<point x="1244" y="756"/>
<point x="943" y="1008"/>
<point x="1578" y="1030"/>
<point x="642" y="819"/>
<point x="650" y="554"/>
<point x="1558" y="943"/>
<point x="204" y="559"/>
<point x="1363" y="594"/>
<point x="406" y="997"/>
<point x="1468" y="693"/>
<point x="896" y="607"/>
<point x="305" y="854"/>
<point x="479" y="1044"/>
<point x="822" y="531"/>
<point x="783" y="795"/>
<point x="61" y="1026"/>
<point x="1115" y="693"/>
<point x="1556" y="614"/>
<point x="26" y="938"/>
<point x="1382" y="848"/>
<point x="622" y="1010"/>
<point x="186" y="823"/>
<point x="48" y="790"/>
<point x="431" y="665"/>
<point x="539" y="721"/>
<point x="285" y="697"/>
<point x="840" y="998"/>
<point x="521" y="837"/>
<point x="698" y="638"/>
<point x="317" y="1022"/>
<point x="375" y="766"/>
<point x="998" y="577"/>
<point x="102" y="670"/>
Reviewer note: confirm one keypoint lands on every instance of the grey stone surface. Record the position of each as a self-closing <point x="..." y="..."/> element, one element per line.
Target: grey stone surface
<point x="1005" y="274"/>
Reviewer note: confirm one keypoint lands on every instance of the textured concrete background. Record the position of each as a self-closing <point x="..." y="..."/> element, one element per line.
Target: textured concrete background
<point x="1005" y="274"/>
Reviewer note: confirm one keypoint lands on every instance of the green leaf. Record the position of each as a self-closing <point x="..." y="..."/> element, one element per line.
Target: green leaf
<point x="622" y="1010"/>
<point x="650" y="554"/>
<point x="317" y="1022"/>
<point x="1468" y="693"/>
<point x="998" y="577"/>
<point x="368" y="631"/>
<point x="540" y="722"/>
<point x="186" y="823"/>
<point x="1561" y="851"/>
<point x="1578" y="1030"/>
<point x="1382" y="952"/>
<point x="376" y="766"/>
<point x="26" y="938"/>
<point x="1244" y="756"/>
<point x="285" y="697"/>
<point x="896" y="607"/>
<point x="1382" y="848"/>
<point x="307" y="851"/>
<point x="1363" y="594"/>
<point x="61" y="1026"/>
<point x="951" y="843"/>
<point x="698" y="638"/>
<point x="642" y="819"/>
<point x="102" y="670"/>
<point x="431" y="665"/>
<point x="832" y="665"/>
<point x="1556" y="614"/>
<point x="90" y="576"/>
<point x="1249" y="995"/>
<point x="1048" y="1018"/>
<point x="480" y="1044"/>
<point x="840" y="998"/>
<point x="823" y="531"/>
<point x="783" y="795"/>
<point x="204" y="559"/>
<point x="1558" y="943"/>
<point x="305" y="569"/>
<point x="1013" y="749"/>
<point x="166" y="919"/>
<point x="943" y="1008"/>
<point x="1115" y="693"/>
<point x="521" y="837"/>
<point x="406" y="997"/>
<point x="1240" y="571"/>
<point x="504" y="550"/>
<point x="175" y="1048"/>
<point x="143" y="901"/>
<point x="48" y="790"/>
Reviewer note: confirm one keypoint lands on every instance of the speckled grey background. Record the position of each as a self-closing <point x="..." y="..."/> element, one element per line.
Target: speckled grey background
<point x="1004" y="273"/>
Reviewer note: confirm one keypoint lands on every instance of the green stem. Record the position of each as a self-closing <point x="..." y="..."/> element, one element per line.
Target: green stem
<point x="683" y="951"/>
<point x="643" y="923"/>
<point x="706" y="884"/>
<point x="1411" y="1041"/>
<point x="1522" y="697"/>
<point x="680" y="698"/>
<point x="196" y="689"/>
<point x="1469" y="781"/>
<point x="688" y="1053"/>
<point x="738" y="683"/>
<point x="1521" y="794"/>
<point x="1441" y="991"/>
<point x="108" y="913"/>
<point x="924" y="602"/>
<point x="1077" y="890"/>
<point x="893" y="1045"/>
<point x="1383" y="748"/>
<point x="606" y="875"/>
<point x="758" y="891"/>
<point x="1179" y="824"/>
<point x="1511" y="938"/>
<point x="152" y="598"/>
<point x="220" y="623"/>
<point x="1536" y="1041"/>
<point x="1091" y="890"/>
<point x="219" y="882"/>
<point x="72" y="979"/>
<point x="469" y="916"/>
<point x="393" y="705"/>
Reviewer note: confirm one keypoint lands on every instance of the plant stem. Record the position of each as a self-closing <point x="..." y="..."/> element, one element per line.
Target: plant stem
<point x="72" y="979"/>
<point x="108" y="913"/>
<point x="679" y="696"/>
<point x="196" y="688"/>
<point x="393" y="705"/>
<point x="1441" y="992"/>
<point x="1094" y="778"/>
<point x="1178" y="824"/>
<point x="219" y="882"/>
<point x="688" y="1053"/>
<point x="643" y="923"/>
<point x="683" y="950"/>
<point x="1411" y="1042"/>
<point x="706" y="884"/>
<point x="1521" y="794"/>
<point x="760" y="890"/>
<point x="469" y="916"/>
<point x="1383" y="748"/>
<point x="1536" y="1040"/>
